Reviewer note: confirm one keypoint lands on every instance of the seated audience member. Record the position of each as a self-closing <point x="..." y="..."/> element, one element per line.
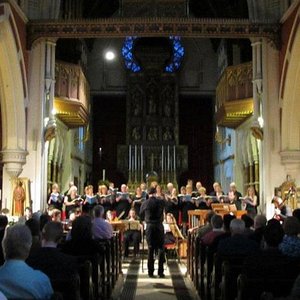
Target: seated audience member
<point x="3" y="224"/>
<point x="44" y="219"/>
<point x="17" y="279"/>
<point x="100" y="228"/>
<point x="34" y="228"/>
<point x="260" y="222"/>
<point x="290" y="245"/>
<point x="238" y="243"/>
<point x="217" y="229"/>
<point x="226" y="233"/>
<point x="296" y="213"/>
<point x="201" y="231"/>
<point x="132" y="235"/>
<point x="55" y="215"/>
<point x="81" y="242"/>
<point x="55" y="264"/>
<point x="27" y="215"/>
<point x="248" y="224"/>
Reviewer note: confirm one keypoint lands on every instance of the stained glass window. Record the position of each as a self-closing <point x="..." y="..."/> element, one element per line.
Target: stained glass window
<point x="127" y="48"/>
<point x="178" y="53"/>
<point x="132" y="65"/>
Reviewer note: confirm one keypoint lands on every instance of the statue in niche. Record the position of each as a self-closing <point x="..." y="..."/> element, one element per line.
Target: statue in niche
<point x="136" y="103"/>
<point x="167" y="108"/>
<point x="152" y="134"/>
<point x="135" y="134"/>
<point x="152" y="105"/>
<point x="168" y="135"/>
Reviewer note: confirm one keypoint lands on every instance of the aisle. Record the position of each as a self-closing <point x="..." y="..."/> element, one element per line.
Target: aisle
<point x="137" y="285"/>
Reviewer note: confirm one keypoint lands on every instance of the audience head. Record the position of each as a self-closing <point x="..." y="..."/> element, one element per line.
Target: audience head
<point x="98" y="211"/>
<point x="291" y="226"/>
<point x="5" y="211"/>
<point x="217" y="222"/>
<point x="237" y="226"/>
<point x="81" y="228"/>
<point x="226" y="221"/>
<point x="296" y="213"/>
<point x="3" y="221"/>
<point x="34" y="227"/>
<point x="209" y="215"/>
<point x="55" y="215"/>
<point x="260" y="221"/>
<point x="17" y="242"/>
<point x="44" y="219"/>
<point x="52" y="232"/>
<point x="248" y="221"/>
<point x="273" y="233"/>
<point x="28" y="212"/>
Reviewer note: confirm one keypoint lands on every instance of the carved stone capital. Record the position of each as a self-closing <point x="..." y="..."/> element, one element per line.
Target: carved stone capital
<point x="257" y="131"/>
<point x="13" y="160"/>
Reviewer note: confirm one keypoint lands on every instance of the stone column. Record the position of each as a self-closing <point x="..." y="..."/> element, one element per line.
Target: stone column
<point x="256" y="126"/>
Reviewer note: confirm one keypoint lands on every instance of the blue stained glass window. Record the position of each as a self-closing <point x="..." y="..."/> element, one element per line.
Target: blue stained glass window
<point x="131" y="64"/>
<point x="178" y="53"/>
<point x="128" y="55"/>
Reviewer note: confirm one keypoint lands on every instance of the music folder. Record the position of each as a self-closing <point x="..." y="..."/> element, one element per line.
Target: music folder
<point x="131" y="225"/>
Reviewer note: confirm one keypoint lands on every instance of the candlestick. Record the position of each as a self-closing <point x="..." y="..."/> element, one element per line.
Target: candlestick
<point x="142" y="158"/>
<point x="103" y="174"/>
<point x="174" y="158"/>
<point x="129" y="160"/>
<point x="162" y="158"/>
<point x="135" y="157"/>
<point x="168" y="158"/>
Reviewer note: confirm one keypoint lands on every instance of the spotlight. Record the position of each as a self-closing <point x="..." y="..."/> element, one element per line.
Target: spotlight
<point x="109" y="55"/>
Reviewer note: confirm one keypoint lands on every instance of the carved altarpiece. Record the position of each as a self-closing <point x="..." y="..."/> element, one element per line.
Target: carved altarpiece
<point x="152" y="118"/>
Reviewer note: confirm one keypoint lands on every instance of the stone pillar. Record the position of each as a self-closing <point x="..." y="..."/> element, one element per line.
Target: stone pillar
<point x="256" y="126"/>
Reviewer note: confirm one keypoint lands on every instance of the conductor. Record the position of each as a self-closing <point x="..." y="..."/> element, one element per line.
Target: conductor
<point x="152" y="211"/>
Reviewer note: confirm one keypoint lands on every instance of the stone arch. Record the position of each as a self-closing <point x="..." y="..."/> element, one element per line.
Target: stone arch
<point x="290" y="89"/>
<point x="13" y="94"/>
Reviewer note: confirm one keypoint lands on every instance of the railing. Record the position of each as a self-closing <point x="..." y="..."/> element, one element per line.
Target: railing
<point x="235" y="83"/>
<point x="234" y="95"/>
<point x="71" y="94"/>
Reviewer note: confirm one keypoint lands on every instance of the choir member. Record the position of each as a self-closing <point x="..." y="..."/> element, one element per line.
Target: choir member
<point x="123" y="201"/>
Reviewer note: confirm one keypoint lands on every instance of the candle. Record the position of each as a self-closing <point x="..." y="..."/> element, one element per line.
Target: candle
<point x="135" y="157"/>
<point x="174" y="158"/>
<point x="129" y="160"/>
<point x="142" y="157"/>
<point x="103" y="174"/>
<point x="162" y="158"/>
<point x="168" y="158"/>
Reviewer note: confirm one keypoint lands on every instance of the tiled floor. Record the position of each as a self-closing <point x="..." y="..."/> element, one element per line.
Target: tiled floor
<point x="135" y="283"/>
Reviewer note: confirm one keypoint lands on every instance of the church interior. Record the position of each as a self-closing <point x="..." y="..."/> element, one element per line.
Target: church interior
<point x="131" y="92"/>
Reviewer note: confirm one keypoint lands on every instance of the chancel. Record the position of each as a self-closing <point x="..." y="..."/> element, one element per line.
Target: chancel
<point x="119" y="116"/>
